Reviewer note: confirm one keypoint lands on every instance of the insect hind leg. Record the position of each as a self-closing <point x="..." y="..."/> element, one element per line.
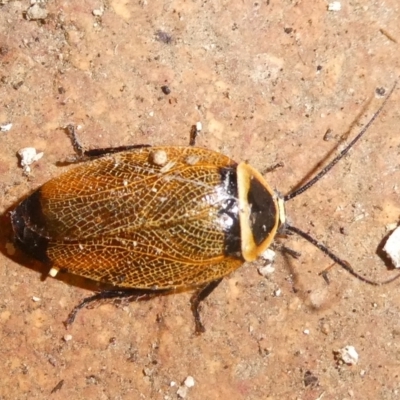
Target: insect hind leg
<point x="129" y="295"/>
<point x="200" y="295"/>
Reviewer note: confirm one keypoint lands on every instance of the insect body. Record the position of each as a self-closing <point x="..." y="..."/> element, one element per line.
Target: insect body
<point x="125" y="220"/>
<point x="155" y="220"/>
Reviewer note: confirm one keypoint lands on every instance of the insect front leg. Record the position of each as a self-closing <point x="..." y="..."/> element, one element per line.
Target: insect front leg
<point x="194" y="132"/>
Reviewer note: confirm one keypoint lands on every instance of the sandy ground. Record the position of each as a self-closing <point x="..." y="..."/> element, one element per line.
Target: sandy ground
<point x="270" y="82"/>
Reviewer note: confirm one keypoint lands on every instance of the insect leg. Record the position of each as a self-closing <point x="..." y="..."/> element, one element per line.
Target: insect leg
<point x="82" y="154"/>
<point x="70" y="130"/>
<point x="112" y="150"/>
<point x="130" y="295"/>
<point x="193" y="135"/>
<point x="197" y="298"/>
<point x="293" y="253"/>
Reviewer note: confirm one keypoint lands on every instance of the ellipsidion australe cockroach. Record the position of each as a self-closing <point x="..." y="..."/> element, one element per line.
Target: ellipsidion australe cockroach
<point x="157" y="220"/>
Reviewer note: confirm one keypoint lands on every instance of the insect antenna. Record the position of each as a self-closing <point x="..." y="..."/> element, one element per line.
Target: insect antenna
<point x="344" y="264"/>
<point x="324" y="171"/>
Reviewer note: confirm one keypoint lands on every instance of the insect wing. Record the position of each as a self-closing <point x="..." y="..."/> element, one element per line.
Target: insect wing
<point x="131" y="221"/>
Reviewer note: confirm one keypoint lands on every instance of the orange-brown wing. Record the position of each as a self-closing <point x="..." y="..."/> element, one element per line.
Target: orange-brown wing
<point x="126" y="220"/>
<point x="129" y="191"/>
<point x="135" y="264"/>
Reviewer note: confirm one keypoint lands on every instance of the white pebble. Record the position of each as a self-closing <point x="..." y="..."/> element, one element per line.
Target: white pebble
<point x="277" y="292"/>
<point x="266" y="270"/>
<point x="5" y="127"/>
<point x="28" y="156"/>
<point x="189" y="381"/>
<point x="67" y="337"/>
<point x="53" y="272"/>
<point x="269" y="256"/>
<point x="36" y="12"/>
<point x="349" y="355"/>
<point x="182" y="392"/>
<point x="334" y="6"/>
<point x="392" y="247"/>
<point x="98" y="12"/>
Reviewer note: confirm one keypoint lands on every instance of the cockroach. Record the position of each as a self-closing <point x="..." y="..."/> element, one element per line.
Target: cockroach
<point x="151" y="221"/>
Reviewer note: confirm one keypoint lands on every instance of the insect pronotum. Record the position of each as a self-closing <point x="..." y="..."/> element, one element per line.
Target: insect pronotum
<point x="157" y="220"/>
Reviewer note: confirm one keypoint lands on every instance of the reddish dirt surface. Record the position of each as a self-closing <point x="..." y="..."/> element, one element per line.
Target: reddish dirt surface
<point x="267" y="80"/>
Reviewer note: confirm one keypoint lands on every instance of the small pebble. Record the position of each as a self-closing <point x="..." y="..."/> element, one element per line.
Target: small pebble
<point x="165" y="89"/>
<point x="36" y="12"/>
<point x="349" y="355"/>
<point x="325" y="329"/>
<point x="5" y="127"/>
<point x="98" y="12"/>
<point x="392" y="247"/>
<point x="277" y="292"/>
<point x="269" y="257"/>
<point x="266" y="270"/>
<point x="182" y="392"/>
<point x="189" y="381"/>
<point x="67" y="337"/>
<point x="28" y="156"/>
<point x="334" y="6"/>
<point x="158" y="157"/>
